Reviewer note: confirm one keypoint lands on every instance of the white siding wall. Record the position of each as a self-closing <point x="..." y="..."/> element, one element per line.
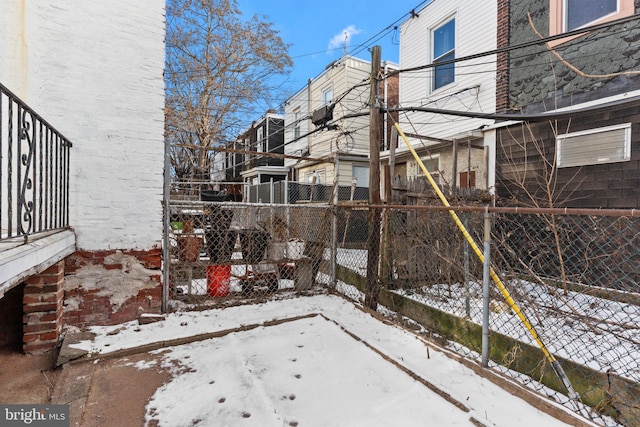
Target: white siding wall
<point x="341" y="78"/>
<point x="475" y="32"/>
<point x="298" y="102"/>
<point x="94" y="70"/>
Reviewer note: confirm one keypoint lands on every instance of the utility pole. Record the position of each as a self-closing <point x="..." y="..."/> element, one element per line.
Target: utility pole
<point x="373" y="247"/>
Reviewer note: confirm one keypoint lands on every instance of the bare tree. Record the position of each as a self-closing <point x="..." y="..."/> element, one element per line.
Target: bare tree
<point x="218" y="70"/>
<point x="529" y="174"/>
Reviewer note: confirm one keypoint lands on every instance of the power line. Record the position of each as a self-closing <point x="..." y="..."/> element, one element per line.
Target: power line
<point x="520" y="45"/>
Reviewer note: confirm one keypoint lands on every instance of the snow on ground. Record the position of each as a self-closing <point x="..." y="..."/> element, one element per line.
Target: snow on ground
<point x="315" y="368"/>
<point x="598" y="333"/>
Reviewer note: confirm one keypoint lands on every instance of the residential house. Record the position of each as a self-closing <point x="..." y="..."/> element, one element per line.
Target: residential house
<point x="327" y="125"/>
<point x="591" y="157"/>
<point x="264" y="162"/>
<point x="456" y="149"/>
<point x="94" y="72"/>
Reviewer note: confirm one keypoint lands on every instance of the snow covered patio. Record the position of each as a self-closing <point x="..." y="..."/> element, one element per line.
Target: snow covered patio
<point x="312" y="361"/>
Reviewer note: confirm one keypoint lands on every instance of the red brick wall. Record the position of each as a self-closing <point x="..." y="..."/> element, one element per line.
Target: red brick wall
<point x="42" y="306"/>
<point x="96" y="309"/>
<point x="502" y="72"/>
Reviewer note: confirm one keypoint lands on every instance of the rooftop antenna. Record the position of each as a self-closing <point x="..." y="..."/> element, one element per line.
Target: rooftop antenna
<point x="344" y="46"/>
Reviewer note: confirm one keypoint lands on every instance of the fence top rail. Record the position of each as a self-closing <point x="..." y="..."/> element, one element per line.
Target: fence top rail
<point x="200" y="203"/>
<point x="516" y="210"/>
<point x="17" y="100"/>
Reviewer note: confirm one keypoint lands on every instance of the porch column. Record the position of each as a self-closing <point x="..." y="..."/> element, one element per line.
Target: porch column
<point x="42" y="306"/>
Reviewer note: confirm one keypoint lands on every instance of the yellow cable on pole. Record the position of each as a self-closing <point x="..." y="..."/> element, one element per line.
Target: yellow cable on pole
<point x="494" y="276"/>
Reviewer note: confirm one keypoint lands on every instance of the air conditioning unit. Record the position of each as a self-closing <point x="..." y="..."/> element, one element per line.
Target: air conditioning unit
<point x="322" y="115"/>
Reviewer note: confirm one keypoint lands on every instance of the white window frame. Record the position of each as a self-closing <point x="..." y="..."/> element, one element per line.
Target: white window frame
<point x="296" y="123"/>
<point x="260" y="139"/>
<point x="320" y="175"/>
<point x="364" y="177"/>
<point x="447" y="53"/>
<point x="625" y="145"/>
<point x="327" y="95"/>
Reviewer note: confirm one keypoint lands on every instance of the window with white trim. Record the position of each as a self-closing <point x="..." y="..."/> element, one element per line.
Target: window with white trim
<point x="296" y="123"/>
<point x="315" y="177"/>
<point x="609" y="144"/>
<point x="261" y="144"/>
<point x="444" y="49"/>
<point x="327" y="95"/>
<point x="361" y="175"/>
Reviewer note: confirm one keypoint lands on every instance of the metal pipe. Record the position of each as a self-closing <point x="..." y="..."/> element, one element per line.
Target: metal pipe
<point x="334" y="221"/>
<point x="486" y="278"/>
<point x="166" y="262"/>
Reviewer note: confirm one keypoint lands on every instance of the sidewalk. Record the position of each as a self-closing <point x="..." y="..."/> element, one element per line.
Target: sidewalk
<point x="107" y="392"/>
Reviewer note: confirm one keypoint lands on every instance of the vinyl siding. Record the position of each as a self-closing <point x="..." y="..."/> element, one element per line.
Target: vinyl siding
<point x="474" y="86"/>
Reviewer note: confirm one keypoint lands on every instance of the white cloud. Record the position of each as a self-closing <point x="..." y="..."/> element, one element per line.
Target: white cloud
<point x="338" y="40"/>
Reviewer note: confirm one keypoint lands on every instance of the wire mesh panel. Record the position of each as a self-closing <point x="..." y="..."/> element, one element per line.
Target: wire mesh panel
<point x="573" y="279"/>
<point x="563" y="307"/>
<point x="577" y="278"/>
<point x="222" y="252"/>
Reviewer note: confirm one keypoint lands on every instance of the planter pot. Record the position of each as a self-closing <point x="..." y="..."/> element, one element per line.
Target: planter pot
<point x="254" y="245"/>
<point x="189" y="248"/>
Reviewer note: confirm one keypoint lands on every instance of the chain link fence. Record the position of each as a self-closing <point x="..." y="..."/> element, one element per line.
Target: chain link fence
<point x="226" y="252"/>
<point x="574" y="278"/>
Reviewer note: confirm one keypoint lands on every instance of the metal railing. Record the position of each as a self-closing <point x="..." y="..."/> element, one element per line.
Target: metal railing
<point x="34" y="171"/>
<point x="289" y="192"/>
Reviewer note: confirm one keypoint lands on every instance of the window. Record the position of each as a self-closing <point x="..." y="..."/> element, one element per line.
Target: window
<point x="578" y="13"/>
<point x="444" y="50"/>
<point x="260" y="140"/>
<point x="432" y="163"/>
<point x="569" y="15"/>
<point x="296" y="123"/>
<point x="315" y="177"/>
<point x="361" y="175"/>
<point x="596" y="146"/>
<point x="327" y="96"/>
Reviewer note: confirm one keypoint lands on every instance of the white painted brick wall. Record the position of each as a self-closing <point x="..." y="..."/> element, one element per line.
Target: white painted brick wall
<point x="94" y="70"/>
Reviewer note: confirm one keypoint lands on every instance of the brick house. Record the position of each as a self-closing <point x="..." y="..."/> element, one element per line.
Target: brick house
<point x="590" y="159"/>
<point x="94" y="72"/>
<point x="265" y="135"/>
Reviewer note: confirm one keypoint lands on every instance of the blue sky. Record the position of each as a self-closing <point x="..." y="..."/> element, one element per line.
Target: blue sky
<point x="316" y="30"/>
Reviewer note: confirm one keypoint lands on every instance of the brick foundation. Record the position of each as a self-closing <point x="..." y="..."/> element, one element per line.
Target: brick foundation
<point x="87" y="304"/>
<point x="42" y="308"/>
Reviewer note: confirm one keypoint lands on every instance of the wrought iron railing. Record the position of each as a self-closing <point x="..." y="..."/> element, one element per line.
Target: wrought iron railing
<point x="34" y="171"/>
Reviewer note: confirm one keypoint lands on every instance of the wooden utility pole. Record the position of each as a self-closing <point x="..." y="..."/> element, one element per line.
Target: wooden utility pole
<point x="373" y="281"/>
